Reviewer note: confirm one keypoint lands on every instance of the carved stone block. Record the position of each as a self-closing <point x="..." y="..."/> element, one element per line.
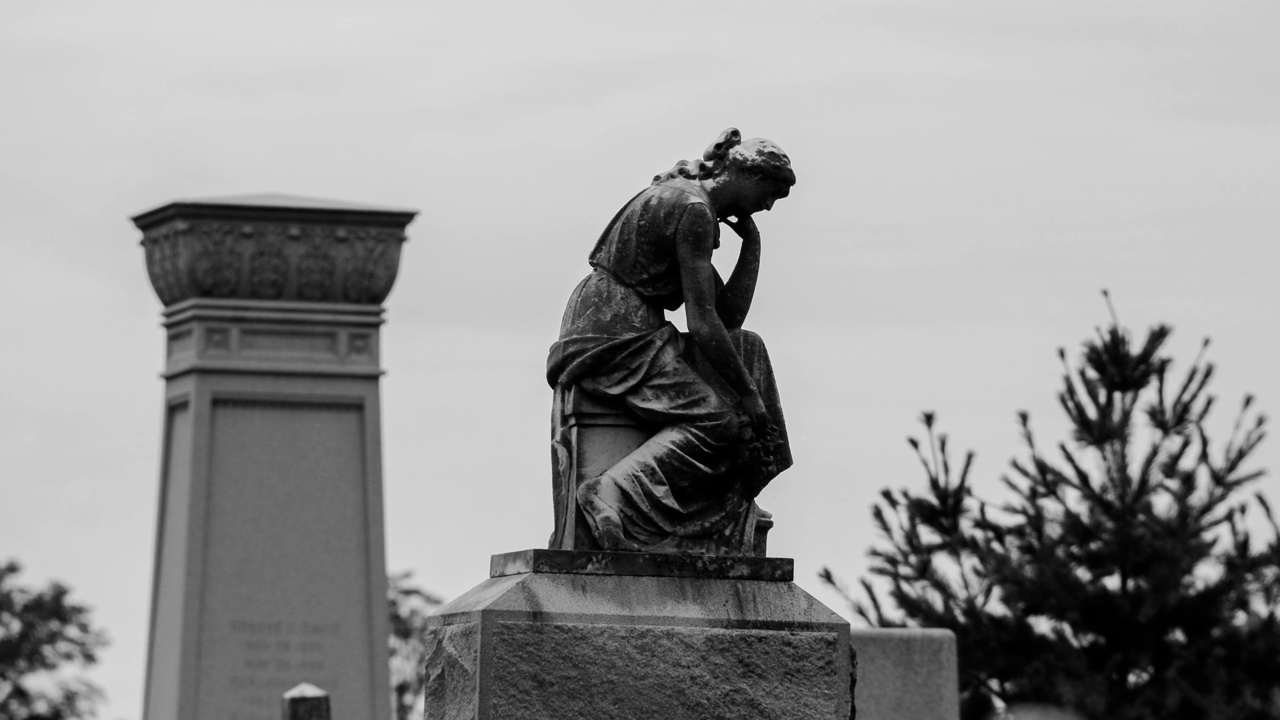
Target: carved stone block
<point x="452" y="670"/>
<point x="585" y="670"/>
<point x="273" y="248"/>
<point x="555" y="644"/>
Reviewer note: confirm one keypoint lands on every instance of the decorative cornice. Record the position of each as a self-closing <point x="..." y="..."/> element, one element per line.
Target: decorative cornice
<point x="301" y="250"/>
<point x="272" y="338"/>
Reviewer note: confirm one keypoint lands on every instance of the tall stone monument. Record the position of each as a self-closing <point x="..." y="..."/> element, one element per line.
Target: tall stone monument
<point x="655" y="598"/>
<point x="270" y="561"/>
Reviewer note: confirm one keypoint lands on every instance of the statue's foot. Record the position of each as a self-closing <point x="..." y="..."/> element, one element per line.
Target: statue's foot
<point x="605" y="522"/>
<point x="609" y="534"/>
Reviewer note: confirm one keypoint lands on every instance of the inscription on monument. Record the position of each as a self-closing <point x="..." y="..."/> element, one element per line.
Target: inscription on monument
<point x="275" y="655"/>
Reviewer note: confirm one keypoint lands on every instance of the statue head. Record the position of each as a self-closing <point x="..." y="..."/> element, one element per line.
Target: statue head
<point x="754" y="155"/>
<point x="755" y="166"/>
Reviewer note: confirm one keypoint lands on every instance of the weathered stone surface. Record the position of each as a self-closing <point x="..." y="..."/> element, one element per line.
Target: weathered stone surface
<point x="906" y="675"/>
<point x="558" y="646"/>
<point x="574" y="670"/>
<point x="684" y="601"/>
<point x="453" y="661"/>
<point x="645" y="564"/>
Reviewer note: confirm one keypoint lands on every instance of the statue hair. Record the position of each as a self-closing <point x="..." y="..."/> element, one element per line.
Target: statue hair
<point x="762" y="157"/>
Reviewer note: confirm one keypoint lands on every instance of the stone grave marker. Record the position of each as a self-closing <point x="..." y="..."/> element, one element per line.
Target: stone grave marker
<point x="270" y="559"/>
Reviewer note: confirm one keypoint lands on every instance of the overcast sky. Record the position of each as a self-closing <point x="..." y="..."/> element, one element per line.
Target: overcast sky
<point x="971" y="174"/>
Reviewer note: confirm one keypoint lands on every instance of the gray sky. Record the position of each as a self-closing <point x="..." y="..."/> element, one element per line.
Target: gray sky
<point x="970" y="175"/>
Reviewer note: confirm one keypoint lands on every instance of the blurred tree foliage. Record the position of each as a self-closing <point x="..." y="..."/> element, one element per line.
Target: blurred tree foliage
<point x="43" y="636"/>
<point x="409" y="606"/>
<point x="1120" y="579"/>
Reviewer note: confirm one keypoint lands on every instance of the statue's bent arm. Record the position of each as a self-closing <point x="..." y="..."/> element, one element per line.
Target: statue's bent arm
<point x="734" y="301"/>
<point x="693" y="251"/>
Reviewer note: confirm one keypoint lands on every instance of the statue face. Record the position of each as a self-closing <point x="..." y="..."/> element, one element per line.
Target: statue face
<point x="747" y="193"/>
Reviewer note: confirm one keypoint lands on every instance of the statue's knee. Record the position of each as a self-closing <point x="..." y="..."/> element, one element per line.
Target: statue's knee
<point x="746" y="339"/>
<point x="723" y="429"/>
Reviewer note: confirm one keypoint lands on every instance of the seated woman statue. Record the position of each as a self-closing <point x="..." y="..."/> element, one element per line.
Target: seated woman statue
<point x="709" y="395"/>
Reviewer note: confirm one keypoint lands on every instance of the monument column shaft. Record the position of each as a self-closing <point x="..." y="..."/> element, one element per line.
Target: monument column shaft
<point x="269" y="562"/>
<point x="270" y="565"/>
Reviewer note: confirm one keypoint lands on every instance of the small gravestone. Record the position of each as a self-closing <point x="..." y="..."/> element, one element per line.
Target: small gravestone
<point x="305" y="702"/>
<point x="907" y="674"/>
<point x="270" y="562"/>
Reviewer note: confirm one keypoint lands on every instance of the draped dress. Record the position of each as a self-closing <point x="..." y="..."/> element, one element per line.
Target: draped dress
<point x="691" y="486"/>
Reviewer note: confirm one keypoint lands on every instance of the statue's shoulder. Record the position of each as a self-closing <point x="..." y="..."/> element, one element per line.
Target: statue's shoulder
<point x="678" y="192"/>
<point x="680" y="198"/>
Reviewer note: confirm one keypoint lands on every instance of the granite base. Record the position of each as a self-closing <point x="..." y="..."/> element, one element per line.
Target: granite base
<point x="557" y="644"/>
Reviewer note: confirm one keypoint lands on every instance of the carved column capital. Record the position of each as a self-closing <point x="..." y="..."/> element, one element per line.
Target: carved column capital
<point x="273" y="247"/>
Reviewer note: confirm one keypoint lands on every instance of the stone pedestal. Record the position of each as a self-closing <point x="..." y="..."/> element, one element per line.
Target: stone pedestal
<point x="598" y="433"/>
<point x="907" y="674"/>
<point x="557" y="634"/>
<point x="270" y="561"/>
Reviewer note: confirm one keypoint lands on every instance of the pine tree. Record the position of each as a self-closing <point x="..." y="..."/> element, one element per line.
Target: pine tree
<point x="1119" y="579"/>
